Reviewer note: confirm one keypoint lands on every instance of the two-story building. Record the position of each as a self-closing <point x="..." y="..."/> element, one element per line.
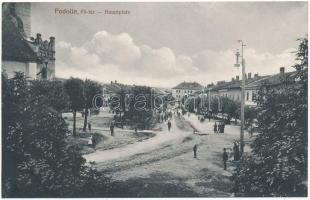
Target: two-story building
<point x="186" y="89"/>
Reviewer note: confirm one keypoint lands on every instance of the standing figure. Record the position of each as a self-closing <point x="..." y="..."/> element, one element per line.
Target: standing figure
<point x="236" y="151"/>
<point x="225" y="158"/>
<point x="169" y="125"/>
<point x="223" y="128"/>
<point x="215" y="127"/>
<point x="112" y="129"/>
<point x="89" y="126"/>
<point x="195" y="151"/>
<point x="219" y="127"/>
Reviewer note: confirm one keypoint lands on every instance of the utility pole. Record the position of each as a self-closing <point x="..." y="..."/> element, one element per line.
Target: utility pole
<point x="242" y="93"/>
<point x="209" y="98"/>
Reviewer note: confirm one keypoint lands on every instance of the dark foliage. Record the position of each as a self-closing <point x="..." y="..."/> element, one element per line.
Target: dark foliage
<point x="36" y="160"/>
<point x="278" y="164"/>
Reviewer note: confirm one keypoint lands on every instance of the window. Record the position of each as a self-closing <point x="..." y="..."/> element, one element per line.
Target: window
<point x="253" y="96"/>
<point x="247" y="96"/>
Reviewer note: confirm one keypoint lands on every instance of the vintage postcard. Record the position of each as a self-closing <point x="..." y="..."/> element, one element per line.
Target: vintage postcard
<point x="154" y="99"/>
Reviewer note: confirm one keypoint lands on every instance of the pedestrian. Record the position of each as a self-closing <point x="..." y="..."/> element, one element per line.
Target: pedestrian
<point x="215" y="127"/>
<point x="223" y="128"/>
<point x="169" y="125"/>
<point x="219" y="127"/>
<point x="195" y="151"/>
<point x="89" y="126"/>
<point x="225" y="158"/>
<point x="112" y="129"/>
<point x="236" y="151"/>
<point x="136" y="130"/>
<point x="93" y="141"/>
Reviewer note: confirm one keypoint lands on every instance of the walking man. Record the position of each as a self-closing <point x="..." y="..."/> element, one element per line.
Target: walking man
<point x="215" y="127"/>
<point x="169" y="125"/>
<point x="89" y="126"/>
<point x="112" y="129"/>
<point x="225" y="158"/>
<point x="195" y="151"/>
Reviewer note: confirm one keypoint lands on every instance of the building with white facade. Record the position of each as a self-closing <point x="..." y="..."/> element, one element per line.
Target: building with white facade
<point x="186" y="89"/>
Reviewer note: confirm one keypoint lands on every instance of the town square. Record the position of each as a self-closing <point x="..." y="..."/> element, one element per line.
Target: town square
<point x="160" y="99"/>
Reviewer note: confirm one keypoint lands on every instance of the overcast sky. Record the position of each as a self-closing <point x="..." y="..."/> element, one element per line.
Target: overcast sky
<point x="162" y="44"/>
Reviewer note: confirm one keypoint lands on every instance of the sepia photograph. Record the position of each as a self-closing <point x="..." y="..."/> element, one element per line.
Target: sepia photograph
<point x="154" y="99"/>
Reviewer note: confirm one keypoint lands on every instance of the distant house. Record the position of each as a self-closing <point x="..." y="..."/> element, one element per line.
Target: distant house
<point x="20" y="52"/>
<point x="274" y="81"/>
<point x="186" y="89"/>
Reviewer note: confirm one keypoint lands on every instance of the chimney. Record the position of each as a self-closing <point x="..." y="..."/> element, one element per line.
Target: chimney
<point x="249" y="75"/>
<point x="245" y="76"/>
<point x="256" y="75"/>
<point x="282" y="70"/>
<point x="237" y="78"/>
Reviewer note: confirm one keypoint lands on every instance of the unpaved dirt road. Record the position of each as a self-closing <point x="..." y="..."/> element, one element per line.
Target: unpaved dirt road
<point x="167" y="158"/>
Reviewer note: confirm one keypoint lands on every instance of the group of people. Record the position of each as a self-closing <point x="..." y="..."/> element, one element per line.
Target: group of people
<point x="225" y="154"/>
<point x="219" y="128"/>
<point x="236" y="153"/>
<point x="165" y="116"/>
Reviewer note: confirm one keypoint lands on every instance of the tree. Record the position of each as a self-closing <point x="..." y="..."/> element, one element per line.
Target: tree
<point x="140" y="106"/>
<point x="214" y="106"/>
<point x="278" y="165"/>
<point x="231" y="108"/>
<point x="37" y="161"/>
<point x="53" y="92"/>
<point x="250" y="115"/>
<point x="74" y="88"/>
<point x="91" y="89"/>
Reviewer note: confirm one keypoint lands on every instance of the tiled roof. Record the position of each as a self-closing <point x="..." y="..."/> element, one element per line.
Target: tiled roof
<point x="273" y="80"/>
<point x="189" y="86"/>
<point x="235" y="83"/>
<point x="14" y="46"/>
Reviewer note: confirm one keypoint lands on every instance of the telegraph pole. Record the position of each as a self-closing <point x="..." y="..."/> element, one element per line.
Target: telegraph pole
<point x="209" y="98"/>
<point x="242" y="94"/>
